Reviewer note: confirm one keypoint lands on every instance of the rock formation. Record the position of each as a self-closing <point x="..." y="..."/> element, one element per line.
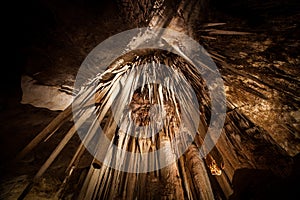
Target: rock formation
<point x="257" y="154"/>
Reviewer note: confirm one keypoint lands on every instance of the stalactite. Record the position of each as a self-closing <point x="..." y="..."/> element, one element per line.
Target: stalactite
<point x="244" y="138"/>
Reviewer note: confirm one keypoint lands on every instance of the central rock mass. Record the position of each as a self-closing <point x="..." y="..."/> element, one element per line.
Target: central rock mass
<point x="147" y="105"/>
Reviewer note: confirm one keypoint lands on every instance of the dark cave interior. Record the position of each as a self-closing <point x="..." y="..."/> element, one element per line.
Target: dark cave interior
<point x="48" y="41"/>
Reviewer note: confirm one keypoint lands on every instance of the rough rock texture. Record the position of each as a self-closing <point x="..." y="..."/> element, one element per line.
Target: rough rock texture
<point x="42" y="96"/>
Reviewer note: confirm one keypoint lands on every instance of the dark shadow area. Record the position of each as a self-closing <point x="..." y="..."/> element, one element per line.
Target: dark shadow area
<point x="256" y="12"/>
<point x="263" y="184"/>
<point x="36" y="32"/>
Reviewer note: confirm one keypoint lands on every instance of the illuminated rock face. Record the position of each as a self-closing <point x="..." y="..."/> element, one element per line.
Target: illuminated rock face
<point x="42" y="96"/>
<point x="257" y="155"/>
